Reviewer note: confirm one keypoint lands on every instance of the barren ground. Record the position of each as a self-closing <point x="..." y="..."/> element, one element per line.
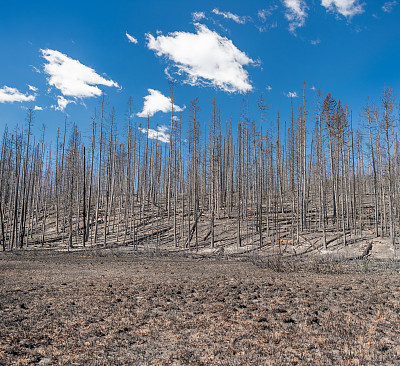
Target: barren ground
<point x="104" y="307"/>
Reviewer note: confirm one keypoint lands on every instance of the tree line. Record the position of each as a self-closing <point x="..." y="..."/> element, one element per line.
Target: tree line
<point x="272" y="181"/>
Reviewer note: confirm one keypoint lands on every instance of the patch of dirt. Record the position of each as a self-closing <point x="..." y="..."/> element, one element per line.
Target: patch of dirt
<point x="75" y="308"/>
<point x="382" y="248"/>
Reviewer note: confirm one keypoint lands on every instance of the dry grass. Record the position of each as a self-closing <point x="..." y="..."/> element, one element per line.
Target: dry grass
<point x="75" y="308"/>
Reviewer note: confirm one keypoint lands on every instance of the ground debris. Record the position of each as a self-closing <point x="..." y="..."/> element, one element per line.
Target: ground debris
<point x="175" y="310"/>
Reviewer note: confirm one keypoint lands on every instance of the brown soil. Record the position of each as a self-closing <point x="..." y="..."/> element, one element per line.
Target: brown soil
<point x="81" y="308"/>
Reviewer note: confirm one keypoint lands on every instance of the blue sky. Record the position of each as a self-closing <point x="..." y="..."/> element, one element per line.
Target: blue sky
<point x="69" y="51"/>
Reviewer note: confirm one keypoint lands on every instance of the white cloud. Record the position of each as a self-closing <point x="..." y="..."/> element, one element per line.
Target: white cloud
<point x="291" y="94"/>
<point x="37" y="108"/>
<point x="198" y="15"/>
<point x="159" y="134"/>
<point x="347" y="8"/>
<point x="389" y="5"/>
<point x="313" y="88"/>
<point x="33" y="88"/>
<point x="205" y="57"/>
<point x="62" y="103"/>
<point x="266" y="27"/>
<point x="263" y="14"/>
<point x="296" y="13"/>
<point x="314" y="42"/>
<point x="11" y="95"/>
<point x="228" y="15"/>
<point x="157" y="102"/>
<point x="71" y="77"/>
<point x="269" y="87"/>
<point x="131" y="39"/>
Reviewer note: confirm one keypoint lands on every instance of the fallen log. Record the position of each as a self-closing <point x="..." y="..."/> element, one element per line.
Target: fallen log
<point x="192" y="229"/>
<point x="152" y="234"/>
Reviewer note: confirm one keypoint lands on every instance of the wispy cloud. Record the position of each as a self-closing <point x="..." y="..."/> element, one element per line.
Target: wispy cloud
<point x="388" y="6"/>
<point x="347" y="8"/>
<point x="160" y="134"/>
<point x="198" y="15"/>
<point x="228" y="15"/>
<point x="11" y="95"/>
<point x="263" y="14"/>
<point x="71" y="77"/>
<point x="37" y="108"/>
<point x="205" y="57"/>
<point x="157" y="102"/>
<point x="131" y="39"/>
<point x="296" y="14"/>
<point x="314" y="42"/>
<point x="269" y="87"/>
<point x="266" y="27"/>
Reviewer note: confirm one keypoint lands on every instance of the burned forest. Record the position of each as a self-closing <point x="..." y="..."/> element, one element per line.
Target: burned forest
<point x="258" y="184"/>
<point x="200" y="183"/>
<point x="256" y="241"/>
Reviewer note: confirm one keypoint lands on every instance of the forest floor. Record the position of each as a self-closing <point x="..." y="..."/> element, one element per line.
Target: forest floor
<point x="116" y="307"/>
<point x="157" y="235"/>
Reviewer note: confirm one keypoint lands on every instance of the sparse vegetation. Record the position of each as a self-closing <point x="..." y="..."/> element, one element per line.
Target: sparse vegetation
<point x="283" y="237"/>
<point x="122" y="308"/>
